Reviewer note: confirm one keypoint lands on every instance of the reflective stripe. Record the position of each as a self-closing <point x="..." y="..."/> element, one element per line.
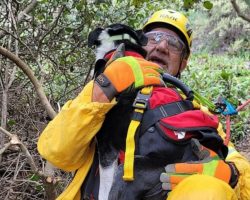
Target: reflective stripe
<point x="210" y="168"/>
<point x="123" y="37"/>
<point x="133" y="63"/>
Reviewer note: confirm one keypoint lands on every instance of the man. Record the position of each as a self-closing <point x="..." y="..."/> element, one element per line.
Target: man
<point x="67" y="142"/>
<point x="170" y="39"/>
<point x="171" y="26"/>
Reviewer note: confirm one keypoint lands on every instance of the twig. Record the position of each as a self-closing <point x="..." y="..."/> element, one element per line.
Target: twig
<point x="38" y="87"/>
<point x="6" y="146"/>
<point x="49" y="182"/>
<point x="15" y="141"/>
<point x="238" y="11"/>
<point x="21" y="15"/>
<point x="19" y="40"/>
<point x="54" y="24"/>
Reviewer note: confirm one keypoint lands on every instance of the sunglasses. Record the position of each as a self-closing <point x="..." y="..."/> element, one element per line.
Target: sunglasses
<point x="173" y="42"/>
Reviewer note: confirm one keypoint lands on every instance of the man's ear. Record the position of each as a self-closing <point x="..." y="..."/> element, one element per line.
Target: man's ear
<point x="183" y="64"/>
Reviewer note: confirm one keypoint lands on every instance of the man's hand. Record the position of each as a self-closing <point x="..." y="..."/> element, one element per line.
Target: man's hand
<point x="127" y="72"/>
<point x="211" y="165"/>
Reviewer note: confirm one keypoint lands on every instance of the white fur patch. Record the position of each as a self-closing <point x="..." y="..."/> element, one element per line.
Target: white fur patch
<point x="106" y="180"/>
<point x="106" y="45"/>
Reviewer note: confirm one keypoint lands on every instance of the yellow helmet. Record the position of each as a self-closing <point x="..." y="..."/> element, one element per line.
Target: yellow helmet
<point x="174" y="19"/>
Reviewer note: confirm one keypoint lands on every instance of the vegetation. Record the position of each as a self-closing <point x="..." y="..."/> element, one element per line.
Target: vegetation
<point x="49" y="37"/>
<point x="226" y="76"/>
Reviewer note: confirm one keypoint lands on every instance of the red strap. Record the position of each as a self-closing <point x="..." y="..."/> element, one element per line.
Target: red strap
<point x="121" y="157"/>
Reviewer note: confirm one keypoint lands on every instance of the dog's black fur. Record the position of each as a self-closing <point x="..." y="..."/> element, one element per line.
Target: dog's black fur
<point x="149" y="159"/>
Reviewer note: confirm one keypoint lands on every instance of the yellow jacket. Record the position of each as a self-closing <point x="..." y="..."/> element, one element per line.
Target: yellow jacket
<point x="68" y="143"/>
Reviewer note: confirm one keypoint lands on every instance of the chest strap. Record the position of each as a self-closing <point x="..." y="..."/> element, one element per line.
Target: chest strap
<point x="140" y="104"/>
<point x="151" y="116"/>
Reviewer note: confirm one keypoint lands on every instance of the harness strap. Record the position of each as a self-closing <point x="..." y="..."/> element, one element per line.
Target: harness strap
<point x="130" y="150"/>
<point x="140" y="104"/>
<point x="152" y="116"/>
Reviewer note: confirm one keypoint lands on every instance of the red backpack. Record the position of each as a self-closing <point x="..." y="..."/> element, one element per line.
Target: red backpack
<point x="168" y="125"/>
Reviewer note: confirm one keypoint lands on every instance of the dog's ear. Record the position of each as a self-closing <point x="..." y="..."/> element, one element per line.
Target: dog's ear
<point x="93" y="37"/>
<point x="142" y="38"/>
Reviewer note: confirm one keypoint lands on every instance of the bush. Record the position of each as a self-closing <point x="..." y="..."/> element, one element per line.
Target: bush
<point x="222" y="75"/>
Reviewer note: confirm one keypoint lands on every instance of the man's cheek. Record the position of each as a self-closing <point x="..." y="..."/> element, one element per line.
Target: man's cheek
<point x="148" y="50"/>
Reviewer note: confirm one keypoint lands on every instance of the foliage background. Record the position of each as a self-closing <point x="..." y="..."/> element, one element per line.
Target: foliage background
<point x="52" y="40"/>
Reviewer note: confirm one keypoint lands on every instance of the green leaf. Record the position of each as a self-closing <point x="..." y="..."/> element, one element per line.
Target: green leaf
<point x="34" y="177"/>
<point x="225" y="75"/>
<point x="11" y="122"/>
<point x="208" y="5"/>
<point x="68" y="29"/>
<point x="39" y="188"/>
<point x="188" y="3"/>
<point x="40" y="17"/>
<point x="80" y="5"/>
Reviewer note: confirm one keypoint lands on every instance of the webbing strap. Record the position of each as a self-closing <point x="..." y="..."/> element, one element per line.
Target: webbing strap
<point x="130" y="150"/>
<point x="130" y="140"/>
<point x="150" y="117"/>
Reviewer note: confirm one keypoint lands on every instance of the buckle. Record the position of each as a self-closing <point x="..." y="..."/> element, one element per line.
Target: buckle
<point x="141" y="100"/>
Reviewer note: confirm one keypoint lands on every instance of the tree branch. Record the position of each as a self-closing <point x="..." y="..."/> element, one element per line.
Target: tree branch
<point x="6" y="146"/>
<point x="238" y="11"/>
<point x="21" y="15"/>
<point x="49" y="182"/>
<point x="54" y="23"/>
<point x="31" y="53"/>
<point x="27" y="10"/>
<point x="38" y="87"/>
<point x="15" y="141"/>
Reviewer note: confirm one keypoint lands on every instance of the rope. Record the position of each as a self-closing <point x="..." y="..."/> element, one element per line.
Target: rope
<point x="228" y="123"/>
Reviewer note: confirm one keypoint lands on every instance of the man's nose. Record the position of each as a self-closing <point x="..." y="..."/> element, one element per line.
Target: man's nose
<point x="162" y="46"/>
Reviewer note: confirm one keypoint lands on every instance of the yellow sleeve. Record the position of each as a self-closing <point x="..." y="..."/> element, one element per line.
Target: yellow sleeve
<point x="242" y="189"/>
<point x="67" y="138"/>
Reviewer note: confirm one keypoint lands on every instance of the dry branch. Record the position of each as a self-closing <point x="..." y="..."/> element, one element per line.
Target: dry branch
<point x="49" y="169"/>
<point x="15" y="141"/>
<point x="49" y="182"/>
<point x="38" y="87"/>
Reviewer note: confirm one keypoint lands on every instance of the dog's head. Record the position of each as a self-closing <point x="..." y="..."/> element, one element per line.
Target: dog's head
<point x="108" y="39"/>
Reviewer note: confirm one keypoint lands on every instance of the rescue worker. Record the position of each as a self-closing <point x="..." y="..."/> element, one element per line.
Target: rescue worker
<point x="67" y="142"/>
<point x="165" y="28"/>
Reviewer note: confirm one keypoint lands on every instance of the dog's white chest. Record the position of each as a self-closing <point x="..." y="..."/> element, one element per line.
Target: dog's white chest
<point x="106" y="180"/>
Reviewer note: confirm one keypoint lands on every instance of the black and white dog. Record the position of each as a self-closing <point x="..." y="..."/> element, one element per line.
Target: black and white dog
<point x="111" y="138"/>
